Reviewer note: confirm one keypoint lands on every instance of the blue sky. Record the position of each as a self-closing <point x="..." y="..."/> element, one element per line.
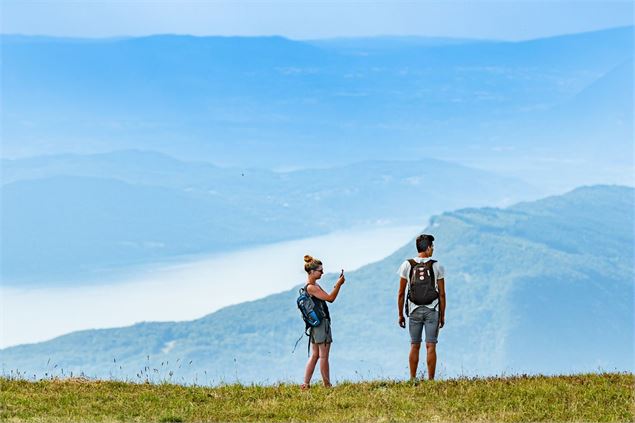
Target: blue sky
<point x="302" y="19"/>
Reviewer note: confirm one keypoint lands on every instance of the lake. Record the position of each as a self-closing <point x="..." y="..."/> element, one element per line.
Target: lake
<point x="188" y="290"/>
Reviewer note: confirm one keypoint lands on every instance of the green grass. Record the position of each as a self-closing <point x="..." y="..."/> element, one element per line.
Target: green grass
<point x="591" y="397"/>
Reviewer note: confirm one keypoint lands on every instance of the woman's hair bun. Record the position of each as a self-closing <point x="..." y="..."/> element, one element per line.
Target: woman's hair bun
<point x="311" y="263"/>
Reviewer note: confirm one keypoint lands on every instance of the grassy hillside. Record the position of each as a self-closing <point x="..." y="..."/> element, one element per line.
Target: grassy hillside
<point x="590" y="397"/>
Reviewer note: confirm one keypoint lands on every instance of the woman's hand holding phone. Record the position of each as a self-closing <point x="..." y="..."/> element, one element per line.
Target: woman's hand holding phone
<point x="341" y="279"/>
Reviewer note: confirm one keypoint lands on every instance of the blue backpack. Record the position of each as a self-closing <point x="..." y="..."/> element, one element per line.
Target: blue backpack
<point x="311" y="314"/>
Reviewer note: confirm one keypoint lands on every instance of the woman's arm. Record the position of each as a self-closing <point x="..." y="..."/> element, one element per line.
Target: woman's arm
<point x="318" y="292"/>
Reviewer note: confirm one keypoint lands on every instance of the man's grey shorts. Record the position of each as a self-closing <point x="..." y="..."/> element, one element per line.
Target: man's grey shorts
<point x="423" y="317"/>
<point x="322" y="333"/>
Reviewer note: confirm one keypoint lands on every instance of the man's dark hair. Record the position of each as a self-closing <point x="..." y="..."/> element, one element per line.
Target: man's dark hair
<point x="423" y="242"/>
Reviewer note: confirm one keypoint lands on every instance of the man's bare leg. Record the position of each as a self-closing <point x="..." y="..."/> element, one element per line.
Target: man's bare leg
<point x="431" y="350"/>
<point x="413" y="359"/>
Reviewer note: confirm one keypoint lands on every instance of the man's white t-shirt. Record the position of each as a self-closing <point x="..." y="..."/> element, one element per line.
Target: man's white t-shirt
<point x="439" y="273"/>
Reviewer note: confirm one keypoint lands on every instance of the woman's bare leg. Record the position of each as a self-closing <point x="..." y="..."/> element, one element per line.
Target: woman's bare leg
<point x="310" y="365"/>
<point x="324" y="363"/>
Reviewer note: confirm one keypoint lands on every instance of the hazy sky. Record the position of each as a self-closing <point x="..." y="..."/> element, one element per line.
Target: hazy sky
<point x="300" y="19"/>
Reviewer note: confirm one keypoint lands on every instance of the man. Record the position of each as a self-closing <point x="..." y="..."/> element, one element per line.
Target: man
<point x="422" y="282"/>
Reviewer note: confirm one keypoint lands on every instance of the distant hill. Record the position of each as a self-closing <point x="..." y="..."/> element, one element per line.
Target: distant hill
<point x="539" y="287"/>
<point x="69" y="217"/>
<point x="273" y="102"/>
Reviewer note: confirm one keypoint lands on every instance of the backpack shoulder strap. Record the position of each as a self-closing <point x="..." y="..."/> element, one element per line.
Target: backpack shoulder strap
<point x="413" y="263"/>
<point x="430" y="265"/>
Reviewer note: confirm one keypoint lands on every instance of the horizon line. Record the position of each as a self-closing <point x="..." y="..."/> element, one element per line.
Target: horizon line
<point x="311" y="39"/>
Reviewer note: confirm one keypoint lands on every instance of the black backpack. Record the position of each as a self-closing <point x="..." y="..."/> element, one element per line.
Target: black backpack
<point x="422" y="283"/>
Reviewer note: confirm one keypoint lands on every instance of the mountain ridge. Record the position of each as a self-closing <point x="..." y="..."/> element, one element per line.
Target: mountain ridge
<point x="493" y="305"/>
<point x="459" y="102"/>
<point x="161" y="207"/>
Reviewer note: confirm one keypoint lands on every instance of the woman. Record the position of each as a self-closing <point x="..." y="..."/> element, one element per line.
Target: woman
<point x="321" y="337"/>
